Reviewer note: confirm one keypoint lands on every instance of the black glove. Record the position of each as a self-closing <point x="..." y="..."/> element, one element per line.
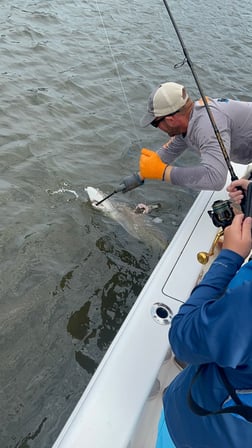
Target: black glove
<point x="130" y="182"/>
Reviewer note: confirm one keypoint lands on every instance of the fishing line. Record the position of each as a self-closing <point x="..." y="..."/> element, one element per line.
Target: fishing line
<point x="189" y="62"/>
<point x="117" y="70"/>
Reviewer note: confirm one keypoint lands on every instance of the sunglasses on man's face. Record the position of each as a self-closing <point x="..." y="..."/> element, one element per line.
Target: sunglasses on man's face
<point x="157" y="121"/>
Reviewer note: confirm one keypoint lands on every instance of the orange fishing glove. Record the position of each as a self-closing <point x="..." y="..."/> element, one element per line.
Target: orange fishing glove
<point x="151" y="166"/>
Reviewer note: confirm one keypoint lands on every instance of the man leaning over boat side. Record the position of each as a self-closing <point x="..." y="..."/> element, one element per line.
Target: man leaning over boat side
<point x="212" y="333"/>
<point x="187" y="123"/>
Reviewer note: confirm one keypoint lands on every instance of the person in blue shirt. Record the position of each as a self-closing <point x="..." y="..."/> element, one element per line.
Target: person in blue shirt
<point x="213" y="329"/>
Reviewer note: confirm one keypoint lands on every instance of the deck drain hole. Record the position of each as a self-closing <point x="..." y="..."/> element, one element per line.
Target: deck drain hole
<point x="161" y="313"/>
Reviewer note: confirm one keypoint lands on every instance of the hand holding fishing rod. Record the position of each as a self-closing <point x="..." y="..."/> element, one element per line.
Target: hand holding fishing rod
<point x="236" y="193"/>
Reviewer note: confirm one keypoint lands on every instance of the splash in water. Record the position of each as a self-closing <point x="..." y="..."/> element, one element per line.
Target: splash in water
<point x="64" y="190"/>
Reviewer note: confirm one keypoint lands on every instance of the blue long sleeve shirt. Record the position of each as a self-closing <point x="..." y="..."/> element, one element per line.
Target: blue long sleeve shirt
<point x="214" y="327"/>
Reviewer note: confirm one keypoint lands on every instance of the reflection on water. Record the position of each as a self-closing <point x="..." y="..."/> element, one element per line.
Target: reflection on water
<point x="25" y="443"/>
<point x="102" y="313"/>
<point x="75" y="76"/>
<point x="79" y="323"/>
<point x="65" y="281"/>
<point x="86" y="362"/>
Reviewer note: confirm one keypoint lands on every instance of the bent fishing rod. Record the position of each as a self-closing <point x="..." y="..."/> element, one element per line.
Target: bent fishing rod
<point x="215" y="128"/>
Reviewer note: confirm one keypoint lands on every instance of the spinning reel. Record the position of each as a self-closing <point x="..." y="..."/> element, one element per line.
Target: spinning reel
<point x="222" y="213"/>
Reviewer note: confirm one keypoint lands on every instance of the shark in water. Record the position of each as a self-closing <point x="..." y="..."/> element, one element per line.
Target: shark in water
<point x="136" y="222"/>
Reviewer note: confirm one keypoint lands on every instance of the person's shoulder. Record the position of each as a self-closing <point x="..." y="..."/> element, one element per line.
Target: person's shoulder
<point x="199" y="108"/>
<point x="211" y="102"/>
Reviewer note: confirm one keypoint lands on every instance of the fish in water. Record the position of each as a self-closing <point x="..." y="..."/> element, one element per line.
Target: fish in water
<point x="144" y="209"/>
<point x="135" y="222"/>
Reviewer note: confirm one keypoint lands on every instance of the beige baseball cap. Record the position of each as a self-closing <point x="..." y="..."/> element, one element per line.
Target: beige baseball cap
<point x="166" y="99"/>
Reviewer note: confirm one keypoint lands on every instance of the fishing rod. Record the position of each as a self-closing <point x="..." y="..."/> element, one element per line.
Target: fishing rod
<point x="215" y="128"/>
